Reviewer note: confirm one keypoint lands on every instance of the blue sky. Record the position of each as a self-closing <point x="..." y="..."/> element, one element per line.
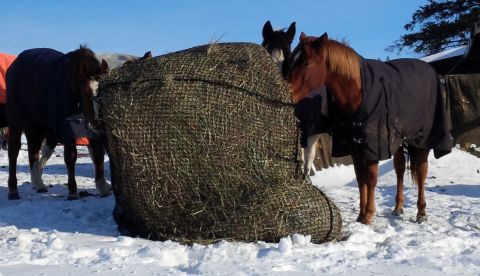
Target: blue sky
<point x="137" y="26"/>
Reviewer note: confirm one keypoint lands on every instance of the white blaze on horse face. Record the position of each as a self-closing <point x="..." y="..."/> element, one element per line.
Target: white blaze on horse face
<point x="278" y="58"/>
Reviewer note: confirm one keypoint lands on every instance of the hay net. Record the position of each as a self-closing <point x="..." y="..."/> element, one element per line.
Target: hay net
<point x="202" y="146"/>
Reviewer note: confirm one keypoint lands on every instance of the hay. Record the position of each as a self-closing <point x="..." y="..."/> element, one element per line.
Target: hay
<point x="202" y="145"/>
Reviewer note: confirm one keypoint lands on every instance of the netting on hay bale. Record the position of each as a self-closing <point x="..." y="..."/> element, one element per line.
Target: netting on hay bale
<point x="202" y="145"/>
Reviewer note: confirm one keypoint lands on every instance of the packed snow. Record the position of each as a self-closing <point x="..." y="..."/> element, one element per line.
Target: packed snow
<point x="45" y="234"/>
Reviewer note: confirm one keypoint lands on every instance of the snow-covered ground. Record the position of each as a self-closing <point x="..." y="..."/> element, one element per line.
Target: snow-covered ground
<point x="44" y="234"/>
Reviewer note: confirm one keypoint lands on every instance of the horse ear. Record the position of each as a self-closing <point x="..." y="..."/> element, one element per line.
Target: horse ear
<point x="303" y="37"/>
<point x="104" y="66"/>
<point x="147" y="55"/>
<point x="267" y="30"/>
<point x="291" y="32"/>
<point x="320" y="42"/>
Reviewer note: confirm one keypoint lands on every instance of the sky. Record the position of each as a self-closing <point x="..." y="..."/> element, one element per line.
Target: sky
<point x="137" y="26"/>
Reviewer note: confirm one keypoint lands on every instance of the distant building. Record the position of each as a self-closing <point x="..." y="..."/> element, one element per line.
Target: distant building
<point x="461" y="60"/>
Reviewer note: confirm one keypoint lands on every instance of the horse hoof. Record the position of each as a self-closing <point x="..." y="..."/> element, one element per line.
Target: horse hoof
<point x="103" y="188"/>
<point x="73" y="196"/>
<point x="13" y="196"/>
<point x="421" y="219"/>
<point x="398" y="212"/>
<point x="360" y="218"/>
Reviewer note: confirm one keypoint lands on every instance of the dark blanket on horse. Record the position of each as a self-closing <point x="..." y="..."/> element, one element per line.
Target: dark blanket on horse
<point x="39" y="92"/>
<point x="402" y="103"/>
<point x="312" y="114"/>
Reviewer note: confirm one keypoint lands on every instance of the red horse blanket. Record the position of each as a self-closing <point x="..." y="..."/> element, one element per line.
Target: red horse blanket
<point x="5" y="61"/>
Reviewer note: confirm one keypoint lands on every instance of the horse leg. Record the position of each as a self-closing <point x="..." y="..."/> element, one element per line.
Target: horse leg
<point x="372" y="174"/>
<point x="366" y="172"/>
<point x="46" y="152"/>
<point x="310" y="155"/>
<point x="97" y="154"/>
<point x="359" y="167"/>
<point x="420" y="163"/>
<point x="14" y="143"/>
<point x="70" y="157"/>
<point x="399" y="165"/>
<point x="34" y="142"/>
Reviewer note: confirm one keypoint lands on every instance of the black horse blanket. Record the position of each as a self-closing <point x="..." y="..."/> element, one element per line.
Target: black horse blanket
<point x="39" y="92"/>
<point x="402" y="103"/>
<point x="312" y="114"/>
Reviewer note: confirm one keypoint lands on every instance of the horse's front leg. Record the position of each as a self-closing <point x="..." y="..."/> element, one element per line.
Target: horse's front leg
<point x="310" y="151"/>
<point x="70" y="157"/>
<point x="14" y="143"/>
<point x="420" y="161"/>
<point x="367" y="173"/>
<point x="34" y="140"/>
<point x="399" y="165"/>
<point x="359" y="167"/>
<point x="97" y="154"/>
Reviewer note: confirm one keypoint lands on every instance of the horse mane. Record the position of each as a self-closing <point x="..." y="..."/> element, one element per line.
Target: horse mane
<point x="341" y="59"/>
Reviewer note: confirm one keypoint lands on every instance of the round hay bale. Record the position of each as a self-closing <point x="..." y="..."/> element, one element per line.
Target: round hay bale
<point x="202" y="146"/>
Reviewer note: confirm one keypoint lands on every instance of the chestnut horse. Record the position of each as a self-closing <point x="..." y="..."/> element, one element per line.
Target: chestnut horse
<point x="380" y="108"/>
<point x="49" y="92"/>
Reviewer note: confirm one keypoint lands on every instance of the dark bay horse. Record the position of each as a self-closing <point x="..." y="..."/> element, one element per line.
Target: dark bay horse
<point x="278" y="44"/>
<point x="378" y="107"/>
<point x="109" y="62"/>
<point x="49" y="98"/>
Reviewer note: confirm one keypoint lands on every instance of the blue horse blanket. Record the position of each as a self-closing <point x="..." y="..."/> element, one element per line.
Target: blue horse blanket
<point x="402" y="103"/>
<point x="40" y="94"/>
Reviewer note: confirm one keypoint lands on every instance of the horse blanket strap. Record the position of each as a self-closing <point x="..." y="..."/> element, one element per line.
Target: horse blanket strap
<point x="39" y="90"/>
<point x="402" y="102"/>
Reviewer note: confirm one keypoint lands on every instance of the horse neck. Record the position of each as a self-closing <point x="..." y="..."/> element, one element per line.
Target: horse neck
<point x="347" y="96"/>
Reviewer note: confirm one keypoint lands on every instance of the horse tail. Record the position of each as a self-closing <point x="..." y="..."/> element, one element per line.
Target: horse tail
<point x="411" y="163"/>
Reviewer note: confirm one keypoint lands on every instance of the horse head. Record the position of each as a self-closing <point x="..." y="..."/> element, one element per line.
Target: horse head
<point x="278" y="44"/>
<point x="86" y="69"/>
<point x="308" y="70"/>
<point x="319" y="61"/>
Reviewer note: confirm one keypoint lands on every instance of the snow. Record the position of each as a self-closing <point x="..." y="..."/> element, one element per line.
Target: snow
<point x="45" y="234"/>
<point x="453" y="52"/>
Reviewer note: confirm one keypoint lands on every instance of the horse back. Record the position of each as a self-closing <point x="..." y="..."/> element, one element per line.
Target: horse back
<point x="36" y="81"/>
<point x="402" y="102"/>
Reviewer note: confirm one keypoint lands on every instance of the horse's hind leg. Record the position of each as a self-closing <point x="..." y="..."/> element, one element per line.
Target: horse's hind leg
<point x="419" y="172"/>
<point x="70" y="157"/>
<point x="47" y="150"/>
<point x="399" y="165"/>
<point x="14" y="143"/>
<point x="97" y="154"/>
<point x="34" y="140"/>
